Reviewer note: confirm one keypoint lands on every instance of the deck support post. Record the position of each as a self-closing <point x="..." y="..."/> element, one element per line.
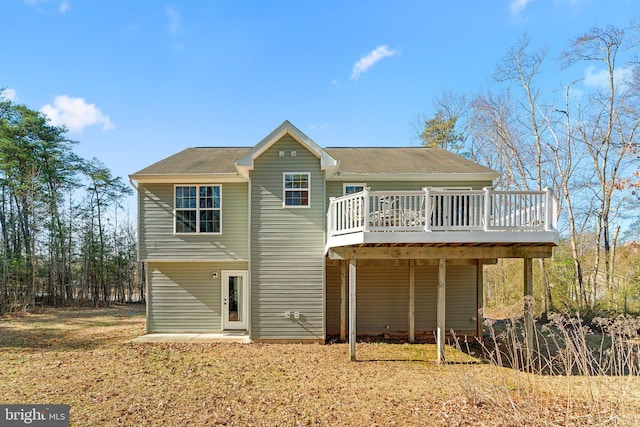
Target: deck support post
<point x="440" y="333"/>
<point x="480" y="299"/>
<point x="412" y="323"/>
<point x="528" y="306"/>
<point x="343" y="300"/>
<point x="352" y="309"/>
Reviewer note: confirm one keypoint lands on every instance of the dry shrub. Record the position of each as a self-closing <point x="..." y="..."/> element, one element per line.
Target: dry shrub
<point x="575" y="374"/>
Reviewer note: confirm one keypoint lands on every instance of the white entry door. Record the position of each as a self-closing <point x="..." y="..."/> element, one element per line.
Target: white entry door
<point x="234" y="299"/>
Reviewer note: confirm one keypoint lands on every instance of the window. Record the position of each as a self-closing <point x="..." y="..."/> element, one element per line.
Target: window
<point x="349" y="188"/>
<point x="197" y="209"/>
<point x="296" y="189"/>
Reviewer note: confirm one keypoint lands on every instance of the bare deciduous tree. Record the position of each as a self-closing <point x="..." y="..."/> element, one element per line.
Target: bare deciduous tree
<point x="607" y="130"/>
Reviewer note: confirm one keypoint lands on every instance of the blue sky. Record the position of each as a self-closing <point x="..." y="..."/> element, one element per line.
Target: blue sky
<point x="136" y="81"/>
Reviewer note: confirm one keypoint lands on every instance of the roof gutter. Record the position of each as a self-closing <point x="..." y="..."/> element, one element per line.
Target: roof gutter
<point x="451" y="177"/>
<point x="187" y="178"/>
<point x="133" y="184"/>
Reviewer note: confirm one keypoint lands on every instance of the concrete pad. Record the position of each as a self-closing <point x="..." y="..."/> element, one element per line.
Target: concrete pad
<point x="239" y="337"/>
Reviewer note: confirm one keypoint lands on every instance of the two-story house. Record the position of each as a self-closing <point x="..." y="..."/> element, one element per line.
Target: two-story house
<point x="289" y="241"/>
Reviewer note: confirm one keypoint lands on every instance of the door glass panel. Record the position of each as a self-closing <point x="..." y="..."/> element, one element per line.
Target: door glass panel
<point x="235" y="299"/>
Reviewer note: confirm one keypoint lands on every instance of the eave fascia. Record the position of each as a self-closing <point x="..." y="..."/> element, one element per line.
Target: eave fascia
<point x="174" y="260"/>
<point x="187" y="178"/>
<point x="445" y="177"/>
<point x="244" y="165"/>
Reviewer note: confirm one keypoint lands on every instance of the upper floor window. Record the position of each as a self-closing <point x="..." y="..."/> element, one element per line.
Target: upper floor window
<point x="197" y="209"/>
<point x="349" y="188"/>
<point x="296" y="187"/>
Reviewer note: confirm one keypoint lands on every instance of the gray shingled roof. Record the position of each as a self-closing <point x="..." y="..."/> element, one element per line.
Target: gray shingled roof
<point x="407" y="160"/>
<point x="364" y="160"/>
<point x="197" y="161"/>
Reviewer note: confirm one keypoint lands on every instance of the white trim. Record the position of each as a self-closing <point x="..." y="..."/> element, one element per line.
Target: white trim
<point x="327" y="163"/>
<point x="441" y="306"/>
<point x="249" y="260"/>
<point x="240" y="325"/>
<point x="198" y="210"/>
<point x="467" y="188"/>
<point x="442" y="177"/>
<point x="139" y="237"/>
<point x="209" y="260"/>
<point x="148" y="299"/>
<point x="352" y="184"/>
<point x="187" y="179"/>
<point x="324" y="261"/>
<point x="284" y="190"/>
<point x="353" y="335"/>
<point x="432" y="237"/>
<point x="133" y="184"/>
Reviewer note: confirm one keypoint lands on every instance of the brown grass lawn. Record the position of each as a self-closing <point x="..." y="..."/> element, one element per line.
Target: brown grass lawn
<point x="84" y="358"/>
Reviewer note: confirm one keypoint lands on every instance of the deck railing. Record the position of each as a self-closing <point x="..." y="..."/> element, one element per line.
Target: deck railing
<point x="442" y="210"/>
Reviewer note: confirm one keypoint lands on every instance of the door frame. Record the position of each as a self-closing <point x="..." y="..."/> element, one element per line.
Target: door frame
<point x="224" y="295"/>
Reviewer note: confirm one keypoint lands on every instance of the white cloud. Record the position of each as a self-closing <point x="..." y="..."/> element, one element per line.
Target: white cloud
<point x="75" y="113"/>
<point x="8" y="94"/>
<point x="517" y="6"/>
<point x="600" y="79"/>
<point x="577" y="2"/>
<point x="576" y="93"/>
<point x="370" y="59"/>
<point x="319" y="127"/>
<point x="64" y="7"/>
<point x="174" y="20"/>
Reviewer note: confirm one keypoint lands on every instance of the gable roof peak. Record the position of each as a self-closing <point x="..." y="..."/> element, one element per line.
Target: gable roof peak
<point x="245" y="163"/>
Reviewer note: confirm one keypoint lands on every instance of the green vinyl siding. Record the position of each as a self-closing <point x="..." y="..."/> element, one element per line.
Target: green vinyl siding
<point x="184" y="297"/>
<point x="336" y="188"/>
<point x="159" y="242"/>
<point x="287" y="259"/>
<point x="461" y="297"/>
<point x="383" y="297"/>
<point x="333" y="298"/>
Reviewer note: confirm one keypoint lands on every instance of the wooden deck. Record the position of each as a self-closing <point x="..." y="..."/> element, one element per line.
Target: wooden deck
<point x="439" y="225"/>
<point x="443" y="217"/>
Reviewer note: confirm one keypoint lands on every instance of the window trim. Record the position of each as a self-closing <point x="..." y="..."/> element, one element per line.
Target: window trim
<point x="352" y="184"/>
<point x="197" y="209"/>
<point x="284" y="190"/>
